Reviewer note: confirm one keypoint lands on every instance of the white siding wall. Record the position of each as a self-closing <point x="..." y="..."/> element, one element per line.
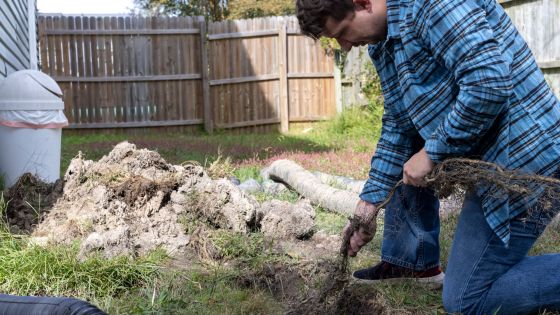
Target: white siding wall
<point x="17" y="36"/>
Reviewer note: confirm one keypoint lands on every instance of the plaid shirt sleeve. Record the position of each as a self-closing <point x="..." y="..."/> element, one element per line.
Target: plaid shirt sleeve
<point x="395" y="147"/>
<point x="460" y="38"/>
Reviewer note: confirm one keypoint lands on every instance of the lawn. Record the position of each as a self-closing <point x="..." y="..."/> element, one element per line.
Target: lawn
<point x="154" y="285"/>
<point x="342" y="147"/>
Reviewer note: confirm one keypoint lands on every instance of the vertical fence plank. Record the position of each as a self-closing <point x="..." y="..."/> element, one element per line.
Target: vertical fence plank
<point x="135" y="65"/>
<point x="85" y="60"/>
<point x="204" y="55"/>
<point x="74" y="109"/>
<point x="50" y="61"/>
<point x="57" y="47"/>
<point x="67" y="86"/>
<point x="142" y="55"/>
<point x="156" y="61"/>
<point x="108" y="98"/>
<point x="190" y="56"/>
<point x="41" y="23"/>
<point x="97" y="44"/>
<point x="81" y="95"/>
<point x="166" y="68"/>
<point x="150" y="86"/>
<point x="116" y="54"/>
<point x="283" y="74"/>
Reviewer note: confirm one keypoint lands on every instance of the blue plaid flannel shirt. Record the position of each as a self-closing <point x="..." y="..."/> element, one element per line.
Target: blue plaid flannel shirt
<point x="460" y="81"/>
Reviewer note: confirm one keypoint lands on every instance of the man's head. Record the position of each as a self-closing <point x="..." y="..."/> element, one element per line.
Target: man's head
<point x="350" y="22"/>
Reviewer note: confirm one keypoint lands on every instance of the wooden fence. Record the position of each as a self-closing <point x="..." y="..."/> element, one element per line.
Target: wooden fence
<point x="538" y="22"/>
<point x="132" y="71"/>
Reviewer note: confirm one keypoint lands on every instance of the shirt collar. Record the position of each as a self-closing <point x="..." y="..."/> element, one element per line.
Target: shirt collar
<point x="393" y="27"/>
<point x="393" y="18"/>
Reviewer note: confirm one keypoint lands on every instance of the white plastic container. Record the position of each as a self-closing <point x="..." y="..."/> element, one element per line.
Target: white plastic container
<point x="31" y="121"/>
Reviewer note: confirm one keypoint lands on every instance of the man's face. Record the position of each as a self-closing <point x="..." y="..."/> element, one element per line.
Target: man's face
<point x="367" y="25"/>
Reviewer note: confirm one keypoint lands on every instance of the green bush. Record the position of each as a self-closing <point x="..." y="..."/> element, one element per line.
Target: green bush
<point x="362" y="120"/>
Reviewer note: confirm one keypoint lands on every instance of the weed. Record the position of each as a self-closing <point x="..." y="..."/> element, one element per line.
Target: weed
<point x="247" y="172"/>
<point x="219" y="168"/>
<point x="289" y="196"/>
<point x="251" y="250"/>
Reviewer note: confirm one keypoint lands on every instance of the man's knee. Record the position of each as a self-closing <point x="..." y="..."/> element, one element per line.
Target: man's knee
<point x="454" y="301"/>
<point x="451" y="299"/>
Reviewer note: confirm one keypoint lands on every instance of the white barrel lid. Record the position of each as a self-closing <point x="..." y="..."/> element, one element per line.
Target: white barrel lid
<point x="30" y="90"/>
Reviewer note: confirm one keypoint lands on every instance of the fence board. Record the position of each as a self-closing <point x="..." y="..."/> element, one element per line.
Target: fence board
<point x="74" y="116"/>
<point x="537" y="21"/>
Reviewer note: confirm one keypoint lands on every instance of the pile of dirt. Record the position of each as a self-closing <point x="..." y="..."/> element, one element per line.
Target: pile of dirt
<point x="28" y="201"/>
<point x="132" y="201"/>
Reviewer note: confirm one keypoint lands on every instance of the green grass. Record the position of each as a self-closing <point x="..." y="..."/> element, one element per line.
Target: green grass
<point x="331" y="223"/>
<point x="203" y="148"/>
<point x="549" y="242"/>
<point x="137" y="286"/>
<point x="248" y="251"/>
<point x="355" y="129"/>
<point x="248" y="172"/>
<point x="195" y="292"/>
<point x="56" y="271"/>
<point x="289" y="196"/>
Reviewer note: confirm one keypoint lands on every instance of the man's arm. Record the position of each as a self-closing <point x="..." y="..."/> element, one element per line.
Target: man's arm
<point x="398" y="142"/>
<point x="459" y="36"/>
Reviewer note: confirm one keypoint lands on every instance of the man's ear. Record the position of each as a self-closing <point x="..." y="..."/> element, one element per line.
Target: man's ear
<point x="362" y="5"/>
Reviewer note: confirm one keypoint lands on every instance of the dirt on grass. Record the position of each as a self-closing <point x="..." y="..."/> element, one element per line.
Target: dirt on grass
<point x="301" y="289"/>
<point x="28" y="201"/>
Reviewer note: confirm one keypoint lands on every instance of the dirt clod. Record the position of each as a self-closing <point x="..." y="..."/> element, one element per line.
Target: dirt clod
<point x="282" y="219"/>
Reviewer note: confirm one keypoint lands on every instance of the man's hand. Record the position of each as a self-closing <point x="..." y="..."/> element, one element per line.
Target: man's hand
<point x="365" y="211"/>
<point x="417" y="168"/>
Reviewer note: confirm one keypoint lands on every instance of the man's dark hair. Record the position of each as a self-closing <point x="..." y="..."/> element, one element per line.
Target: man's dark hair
<point x="312" y="14"/>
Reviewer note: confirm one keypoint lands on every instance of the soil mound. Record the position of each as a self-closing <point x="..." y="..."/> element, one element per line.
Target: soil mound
<point x="132" y="201"/>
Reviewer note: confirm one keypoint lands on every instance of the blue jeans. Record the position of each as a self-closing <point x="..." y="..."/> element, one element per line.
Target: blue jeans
<point x="483" y="276"/>
<point x="38" y="305"/>
<point x="411" y="229"/>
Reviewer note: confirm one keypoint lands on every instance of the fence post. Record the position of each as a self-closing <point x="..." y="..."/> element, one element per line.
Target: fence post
<point x="204" y="51"/>
<point x="337" y="84"/>
<point x="283" y="75"/>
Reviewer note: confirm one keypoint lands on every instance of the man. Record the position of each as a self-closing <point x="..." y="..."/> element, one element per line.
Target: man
<point x="458" y="81"/>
